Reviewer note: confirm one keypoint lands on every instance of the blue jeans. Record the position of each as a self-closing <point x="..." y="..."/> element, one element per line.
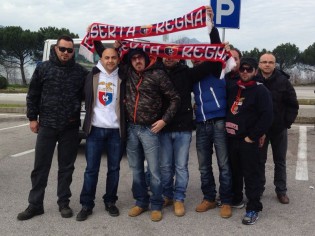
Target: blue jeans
<point x="208" y="134"/>
<point x="174" y="157"/>
<point x="98" y="140"/>
<point x="143" y="144"/>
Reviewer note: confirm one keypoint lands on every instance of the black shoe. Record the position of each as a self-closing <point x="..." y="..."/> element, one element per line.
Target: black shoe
<point x="83" y="214"/>
<point x="283" y="198"/>
<point x="65" y="211"/>
<point x="30" y="212"/>
<point x="112" y="209"/>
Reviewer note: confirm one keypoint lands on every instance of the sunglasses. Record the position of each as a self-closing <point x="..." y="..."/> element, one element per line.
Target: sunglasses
<point x="248" y="69"/>
<point x="63" y="49"/>
<point x="138" y="56"/>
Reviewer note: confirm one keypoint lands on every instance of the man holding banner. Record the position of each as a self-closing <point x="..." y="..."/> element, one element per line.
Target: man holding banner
<point x="146" y="84"/>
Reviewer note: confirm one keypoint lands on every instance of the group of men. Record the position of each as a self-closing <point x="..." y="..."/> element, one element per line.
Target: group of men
<point x="145" y="105"/>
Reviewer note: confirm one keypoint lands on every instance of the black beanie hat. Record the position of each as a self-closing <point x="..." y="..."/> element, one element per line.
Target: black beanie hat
<point x="136" y="51"/>
<point x="249" y="61"/>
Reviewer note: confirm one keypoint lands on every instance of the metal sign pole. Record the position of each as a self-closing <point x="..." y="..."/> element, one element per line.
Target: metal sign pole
<point x="223" y="35"/>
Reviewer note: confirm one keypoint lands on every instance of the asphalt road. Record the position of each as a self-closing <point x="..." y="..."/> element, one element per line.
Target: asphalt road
<point x="16" y="163"/>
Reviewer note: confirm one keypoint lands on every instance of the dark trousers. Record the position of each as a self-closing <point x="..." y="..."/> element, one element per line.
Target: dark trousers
<point x="279" y="145"/>
<point x="245" y="165"/>
<point x="44" y="150"/>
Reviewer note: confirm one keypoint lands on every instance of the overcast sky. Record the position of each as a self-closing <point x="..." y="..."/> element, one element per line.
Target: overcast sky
<point x="263" y="24"/>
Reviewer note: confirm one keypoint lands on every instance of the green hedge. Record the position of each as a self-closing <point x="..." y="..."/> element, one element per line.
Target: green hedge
<point x="3" y="82"/>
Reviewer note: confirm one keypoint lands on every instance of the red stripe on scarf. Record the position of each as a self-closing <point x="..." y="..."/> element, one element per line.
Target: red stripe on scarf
<point x="193" y="20"/>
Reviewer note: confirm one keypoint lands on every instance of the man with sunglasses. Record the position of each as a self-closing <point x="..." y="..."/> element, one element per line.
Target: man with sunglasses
<point x="285" y="110"/>
<point x="249" y="115"/>
<point x="53" y="109"/>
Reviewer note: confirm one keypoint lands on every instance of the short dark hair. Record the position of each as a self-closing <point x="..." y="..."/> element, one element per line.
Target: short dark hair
<point x="238" y="52"/>
<point x="64" y="37"/>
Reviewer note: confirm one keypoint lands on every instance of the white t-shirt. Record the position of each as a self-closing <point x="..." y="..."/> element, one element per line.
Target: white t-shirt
<point x="104" y="115"/>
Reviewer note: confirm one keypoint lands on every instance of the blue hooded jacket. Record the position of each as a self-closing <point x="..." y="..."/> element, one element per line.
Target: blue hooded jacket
<point x="210" y="98"/>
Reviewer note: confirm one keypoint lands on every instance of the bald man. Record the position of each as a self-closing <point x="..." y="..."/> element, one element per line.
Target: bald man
<point x="285" y="110"/>
<point x="104" y="125"/>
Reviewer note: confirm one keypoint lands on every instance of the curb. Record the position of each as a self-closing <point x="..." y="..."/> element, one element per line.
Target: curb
<point x="13" y="110"/>
<point x="305" y="120"/>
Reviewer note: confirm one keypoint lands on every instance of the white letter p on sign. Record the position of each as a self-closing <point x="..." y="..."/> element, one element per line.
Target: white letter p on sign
<point x="221" y="12"/>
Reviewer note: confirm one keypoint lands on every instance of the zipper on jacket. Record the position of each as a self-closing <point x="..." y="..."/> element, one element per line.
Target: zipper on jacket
<point x="137" y="99"/>
<point x="215" y="97"/>
<point x="201" y="102"/>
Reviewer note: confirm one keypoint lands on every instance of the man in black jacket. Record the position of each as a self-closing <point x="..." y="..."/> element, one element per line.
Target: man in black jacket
<point x="249" y="116"/>
<point x="285" y="110"/>
<point x="53" y="109"/>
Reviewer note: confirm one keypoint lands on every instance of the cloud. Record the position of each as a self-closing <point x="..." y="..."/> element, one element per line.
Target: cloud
<point x="263" y="24"/>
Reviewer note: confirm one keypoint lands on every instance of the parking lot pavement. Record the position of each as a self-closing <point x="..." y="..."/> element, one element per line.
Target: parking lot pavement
<point x="297" y="218"/>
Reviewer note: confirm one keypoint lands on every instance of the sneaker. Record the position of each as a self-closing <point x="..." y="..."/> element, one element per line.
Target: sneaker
<point x="30" y="212"/>
<point x="83" y="214"/>
<point x="239" y="205"/>
<point x="65" y="211"/>
<point x="156" y="215"/>
<point x="226" y="211"/>
<point x="283" y="198"/>
<point x="136" y="210"/>
<point x="205" y="205"/>
<point x="112" y="209"/>
<point x="167" y="202"/>
<point x="218" y="202"/>
<point x="179" y="208"/>
<point x="250" y="218"/>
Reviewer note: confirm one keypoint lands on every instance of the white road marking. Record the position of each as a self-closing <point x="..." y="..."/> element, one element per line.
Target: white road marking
<point x="301" y="165"/>
<point x="13" y="127"/>
<point x="23" y="153"/>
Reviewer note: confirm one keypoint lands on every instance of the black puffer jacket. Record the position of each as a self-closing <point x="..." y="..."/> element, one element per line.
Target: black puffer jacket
<point x="144" y="94"/>
<point x="285" y="104"/>
<point x="55" y="93"/>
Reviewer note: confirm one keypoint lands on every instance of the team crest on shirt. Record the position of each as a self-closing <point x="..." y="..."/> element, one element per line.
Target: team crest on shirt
<point x="236" y="105"/>
<point x="106" y="96"/>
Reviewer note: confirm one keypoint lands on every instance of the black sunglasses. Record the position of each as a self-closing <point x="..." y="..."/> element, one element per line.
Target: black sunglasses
<point x="63" y="49"/>
<point x="248" y="69"/>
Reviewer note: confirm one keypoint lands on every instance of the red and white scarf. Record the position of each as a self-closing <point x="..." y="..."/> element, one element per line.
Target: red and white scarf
<point x="203" y="52"/>
<point x="193" y="20"/>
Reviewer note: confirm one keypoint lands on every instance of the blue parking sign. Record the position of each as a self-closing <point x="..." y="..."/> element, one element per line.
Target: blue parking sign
<point x="226" y="13"/>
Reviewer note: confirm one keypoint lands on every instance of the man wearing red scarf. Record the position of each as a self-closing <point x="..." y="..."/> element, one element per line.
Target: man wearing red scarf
<point x="249" y="116"/>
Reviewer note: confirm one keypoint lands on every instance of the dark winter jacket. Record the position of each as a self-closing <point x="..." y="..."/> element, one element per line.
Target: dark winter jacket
<point x="144" y="93"/>
<point x="285" y="103"/>
<point x="231" y="78"/>
<point x="90" y="92"/>
<point x="249" y="111"/>
<point x="55" y="93"/>
<point x="183" y="79"/>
